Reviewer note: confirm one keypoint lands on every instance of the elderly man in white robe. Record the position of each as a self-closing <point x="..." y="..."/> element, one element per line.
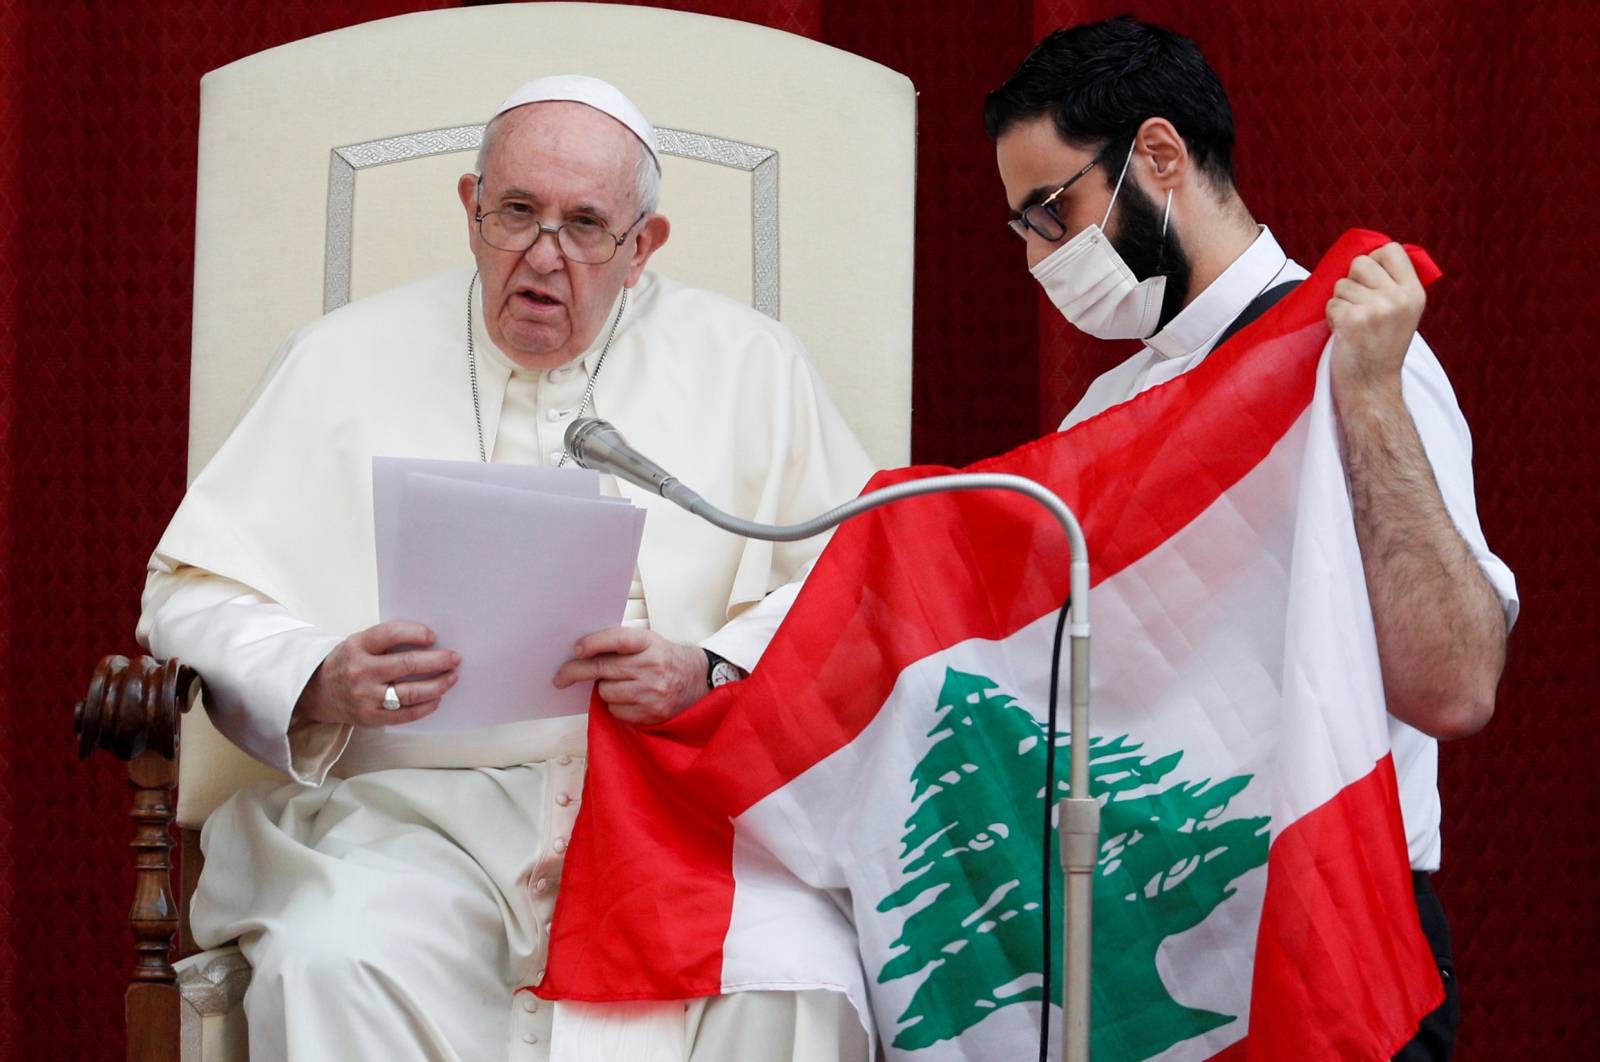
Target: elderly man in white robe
<point x="395" y="898"/>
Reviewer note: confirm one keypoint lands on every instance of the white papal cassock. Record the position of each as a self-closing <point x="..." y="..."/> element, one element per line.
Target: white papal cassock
<point x="394" y="898"/>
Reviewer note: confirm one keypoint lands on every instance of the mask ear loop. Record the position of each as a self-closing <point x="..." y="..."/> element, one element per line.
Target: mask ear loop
<point x="1166" y="215"/>
<point x="1118" y="188"/>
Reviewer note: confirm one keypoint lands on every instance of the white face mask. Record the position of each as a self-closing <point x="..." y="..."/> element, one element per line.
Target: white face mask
<point x="1093" y="287"/>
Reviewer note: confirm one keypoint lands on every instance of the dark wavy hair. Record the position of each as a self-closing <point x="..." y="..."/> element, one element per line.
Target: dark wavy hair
<point x="1099" y="81"/>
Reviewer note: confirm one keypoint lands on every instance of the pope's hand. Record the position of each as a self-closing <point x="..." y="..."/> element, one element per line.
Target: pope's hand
<point x="1373" y="314"/>
<point x="642" y="676"/>
<point x="348" y="686"/>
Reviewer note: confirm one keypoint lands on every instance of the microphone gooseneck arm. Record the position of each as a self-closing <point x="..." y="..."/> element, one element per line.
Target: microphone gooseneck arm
<point x="596" y="444"/>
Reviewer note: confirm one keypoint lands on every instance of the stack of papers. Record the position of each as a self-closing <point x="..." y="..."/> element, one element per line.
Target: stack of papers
<point x="509" y="565"/>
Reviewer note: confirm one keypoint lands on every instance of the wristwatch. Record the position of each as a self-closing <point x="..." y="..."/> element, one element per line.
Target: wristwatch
<point x="720" y="670"/>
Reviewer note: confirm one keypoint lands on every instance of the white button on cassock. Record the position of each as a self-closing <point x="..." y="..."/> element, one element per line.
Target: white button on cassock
<point x="563" y="799"/>
<point x="541" y="885"/>
<point x="529" y="1038"/>
<point x="530" y="1004"/>
<point x="560" y="845"/>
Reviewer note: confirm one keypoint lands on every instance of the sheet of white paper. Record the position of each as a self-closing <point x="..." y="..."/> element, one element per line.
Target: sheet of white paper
<point x="508" y="576"/>
<point x="387" y="472"/>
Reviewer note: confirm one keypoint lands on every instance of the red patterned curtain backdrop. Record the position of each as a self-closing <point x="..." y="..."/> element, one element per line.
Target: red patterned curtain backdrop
<point x="10" y="153"/>
<point x="1457" y="129"/>
<point x="975" y="329"/>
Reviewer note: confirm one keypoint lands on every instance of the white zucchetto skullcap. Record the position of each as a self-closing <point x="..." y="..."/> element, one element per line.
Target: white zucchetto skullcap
<point x="591" y="91"/>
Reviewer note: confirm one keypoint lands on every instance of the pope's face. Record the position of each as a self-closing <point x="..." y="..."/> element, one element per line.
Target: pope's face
<point x="560" y="161"/>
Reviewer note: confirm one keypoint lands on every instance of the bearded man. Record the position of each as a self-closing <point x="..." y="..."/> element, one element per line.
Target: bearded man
<point x="1115" y="145"/>
<point x="395" y="898"/>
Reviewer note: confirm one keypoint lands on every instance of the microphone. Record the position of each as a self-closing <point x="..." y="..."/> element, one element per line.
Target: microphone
<point x="596" y="444"/>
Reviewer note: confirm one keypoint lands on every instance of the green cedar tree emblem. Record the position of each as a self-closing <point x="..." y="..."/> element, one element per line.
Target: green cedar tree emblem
<point x="972" y="849"/>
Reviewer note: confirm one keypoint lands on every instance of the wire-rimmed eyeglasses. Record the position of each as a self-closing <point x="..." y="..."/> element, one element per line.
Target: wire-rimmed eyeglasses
<point x="584" y="238"/>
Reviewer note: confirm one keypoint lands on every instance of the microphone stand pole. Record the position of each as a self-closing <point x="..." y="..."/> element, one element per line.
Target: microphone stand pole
<point x="1079" y="814"/>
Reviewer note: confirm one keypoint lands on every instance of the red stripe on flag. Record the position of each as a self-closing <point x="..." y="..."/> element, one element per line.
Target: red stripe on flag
<point x="649" y="886"/>
<point x="1341" y="970"/>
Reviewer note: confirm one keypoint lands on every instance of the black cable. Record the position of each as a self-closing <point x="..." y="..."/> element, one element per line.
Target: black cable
<point x="1049" y="827"/>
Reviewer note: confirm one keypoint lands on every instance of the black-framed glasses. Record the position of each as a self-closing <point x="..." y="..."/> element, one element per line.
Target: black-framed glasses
<point x="583" y="239"/>
<point x="1042" y="217"/>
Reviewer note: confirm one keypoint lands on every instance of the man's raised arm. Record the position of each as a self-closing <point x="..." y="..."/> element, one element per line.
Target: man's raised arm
<point x="1440" y="626"/>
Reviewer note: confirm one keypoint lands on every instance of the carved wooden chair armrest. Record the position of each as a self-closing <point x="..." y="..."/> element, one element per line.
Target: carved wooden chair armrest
<point x="132" y="710"/>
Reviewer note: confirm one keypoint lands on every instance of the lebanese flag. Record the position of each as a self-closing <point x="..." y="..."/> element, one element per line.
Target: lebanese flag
<point x="865" y="811"/>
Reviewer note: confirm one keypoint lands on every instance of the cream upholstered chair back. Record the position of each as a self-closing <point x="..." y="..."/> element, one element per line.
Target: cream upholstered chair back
<point x="327" y="172"/>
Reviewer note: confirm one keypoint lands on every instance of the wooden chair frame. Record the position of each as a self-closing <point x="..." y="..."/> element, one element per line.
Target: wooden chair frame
<point x="133" y="710"/>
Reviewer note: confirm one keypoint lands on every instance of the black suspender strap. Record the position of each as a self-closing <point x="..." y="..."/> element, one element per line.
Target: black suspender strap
<point x="1258" y="306"/>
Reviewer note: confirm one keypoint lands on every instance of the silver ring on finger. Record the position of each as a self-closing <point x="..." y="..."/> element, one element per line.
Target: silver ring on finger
<point x="391" y="699"/>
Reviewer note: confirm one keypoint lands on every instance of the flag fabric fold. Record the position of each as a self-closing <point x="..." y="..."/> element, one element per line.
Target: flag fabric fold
<point x="864" y="812"/>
